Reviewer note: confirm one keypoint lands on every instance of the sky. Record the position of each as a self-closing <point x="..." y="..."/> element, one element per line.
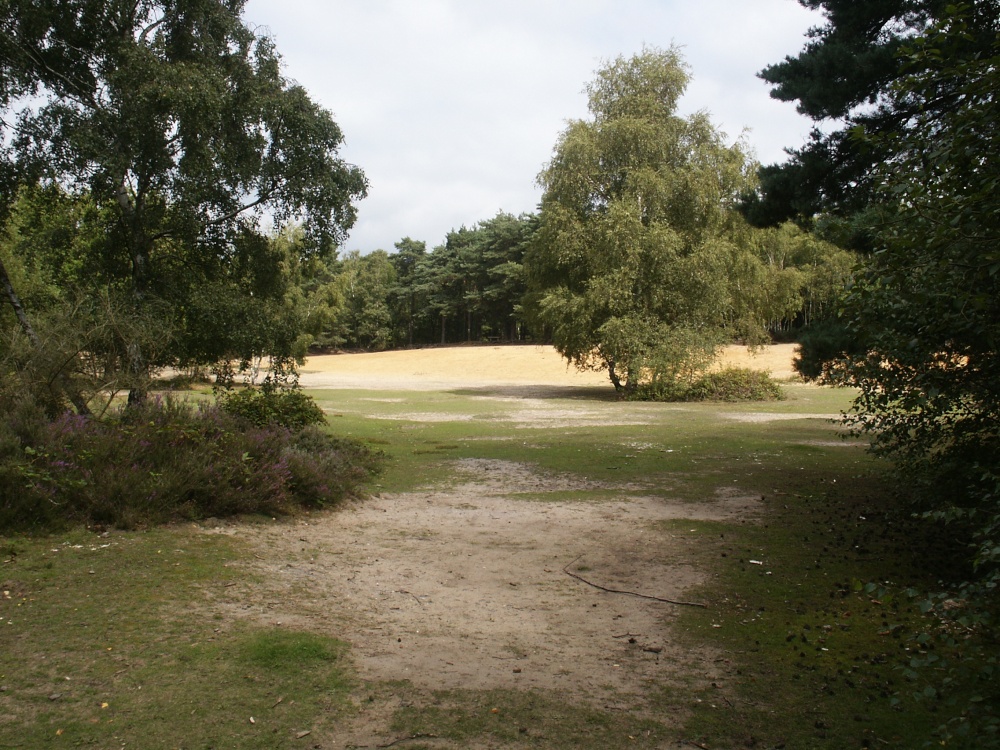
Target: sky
<point x="453" y="107"/>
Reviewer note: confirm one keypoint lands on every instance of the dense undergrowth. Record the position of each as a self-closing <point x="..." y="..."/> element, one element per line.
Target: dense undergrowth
<point x="168" y="460"/>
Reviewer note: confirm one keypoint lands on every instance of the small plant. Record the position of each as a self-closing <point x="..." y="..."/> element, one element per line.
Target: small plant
<point x="288" y="650"/>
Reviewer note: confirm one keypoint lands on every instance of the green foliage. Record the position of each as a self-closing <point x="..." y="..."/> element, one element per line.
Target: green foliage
<point x="465" y="290"/>
<point x="735" y="384"/>
<point x="732" y="384"/>
<point x="406" y="298"/>
<point x="805" y="277"/>
<point x="927" y="307"/>
<point x="922" y="318"/>
<point x="269" y="405"/>
<point x="165" y="461"/>
<point x="174" y="123"/>
<point x="470" y="287"/>
<point x="844" y="76"/>
<point x="821" y="344"/>
<point x="364" y="282"/>
<point x="638" y="255"/>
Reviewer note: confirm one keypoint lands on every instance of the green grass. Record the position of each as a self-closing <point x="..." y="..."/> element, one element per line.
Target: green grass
<point x="809" y="656"/>
<point x="111" y="641"/>
<point x="507" y="718"/>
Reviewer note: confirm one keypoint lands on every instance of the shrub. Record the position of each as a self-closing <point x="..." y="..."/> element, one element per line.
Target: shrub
<point x="288" y="407"/>
<point x="731" y="384"/>
<point x="166" y="461"/>
<point x="735" y="384"/>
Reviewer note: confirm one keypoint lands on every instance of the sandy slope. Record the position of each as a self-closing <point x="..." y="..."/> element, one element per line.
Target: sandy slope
<point x="444" y="367"/>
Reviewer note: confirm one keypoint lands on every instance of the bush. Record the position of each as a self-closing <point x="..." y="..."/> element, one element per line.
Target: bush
<point x="735" y="384"/>
<point x="166" y="461"/>
<point x="288" y="407"/>
<point x="731" y="384"/>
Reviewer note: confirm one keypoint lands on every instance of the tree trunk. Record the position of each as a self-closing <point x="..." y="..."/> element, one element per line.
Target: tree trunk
<point x="15" y="302"/>
<point x="615" y="380"/>
<point x="131" y="208"/>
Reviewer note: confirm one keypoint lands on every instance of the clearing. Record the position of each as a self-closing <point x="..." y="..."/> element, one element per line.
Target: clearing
<point x="496" y="574"/>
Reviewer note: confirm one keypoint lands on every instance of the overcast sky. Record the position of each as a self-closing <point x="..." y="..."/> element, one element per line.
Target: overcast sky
<point x="452" y="107"/>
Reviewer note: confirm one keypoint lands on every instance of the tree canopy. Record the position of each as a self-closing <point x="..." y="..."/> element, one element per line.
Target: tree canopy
<point x="174" y="119"/>
<point x="843" y="80"/>
<point x="637" y="264"/>
<point x="926" y="305"/>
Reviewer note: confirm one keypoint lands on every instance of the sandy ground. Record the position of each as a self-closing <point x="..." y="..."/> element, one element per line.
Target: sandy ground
<point x="453" y="367"/>
<point x="467" y="584"/>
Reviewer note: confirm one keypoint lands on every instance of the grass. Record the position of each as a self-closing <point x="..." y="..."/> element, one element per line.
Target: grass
<point x="118" y="640"/>
<point x="132" y="639"/>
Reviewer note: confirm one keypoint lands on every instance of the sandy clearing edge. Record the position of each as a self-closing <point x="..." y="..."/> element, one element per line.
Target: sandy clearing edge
<point x="443" y="367"/>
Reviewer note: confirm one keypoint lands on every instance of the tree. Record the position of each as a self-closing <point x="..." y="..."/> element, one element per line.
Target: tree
<point x="500" y="246"/>
<point x="920" y="326"/>
<point x="365" y="283"/>
<point x="844" y="77"/>
<point x="404" y="296"/>
<point x="173" y="117"/>
<point x="44" y="253"/>
<point x="927" y="306"/>
<point x="806" y="275"/>
<point x="638" y="251"/>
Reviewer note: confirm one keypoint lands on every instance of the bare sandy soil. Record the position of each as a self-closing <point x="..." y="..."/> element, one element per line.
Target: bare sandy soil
<point x="460" y="366"/>
<point x="467" y="584"/>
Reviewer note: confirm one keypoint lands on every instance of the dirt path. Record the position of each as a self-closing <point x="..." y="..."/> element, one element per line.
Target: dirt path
<point x="466" y="585"/>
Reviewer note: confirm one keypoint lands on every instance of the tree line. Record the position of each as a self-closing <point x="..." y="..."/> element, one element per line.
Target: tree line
<point x="481" y="285"/>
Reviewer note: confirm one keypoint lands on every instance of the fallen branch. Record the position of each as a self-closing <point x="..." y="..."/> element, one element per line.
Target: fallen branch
<point x="630" y="593"/>
<point x="394" y="742"/>
<point x="407" y="739"/>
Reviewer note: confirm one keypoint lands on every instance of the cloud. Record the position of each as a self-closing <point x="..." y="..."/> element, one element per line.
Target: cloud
<point x="452" y="107"/>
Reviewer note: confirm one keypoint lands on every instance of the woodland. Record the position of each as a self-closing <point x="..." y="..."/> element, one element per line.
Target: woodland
<point x="171" y="204"/>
